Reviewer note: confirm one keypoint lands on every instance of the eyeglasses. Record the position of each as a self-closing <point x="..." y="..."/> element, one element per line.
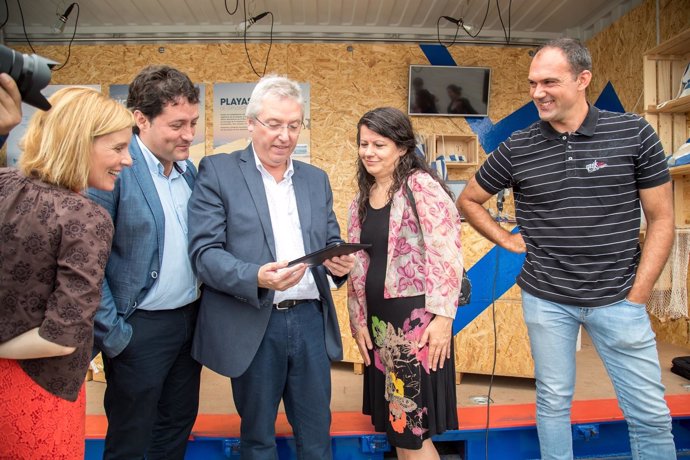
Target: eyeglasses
<point x="276" y="127"/>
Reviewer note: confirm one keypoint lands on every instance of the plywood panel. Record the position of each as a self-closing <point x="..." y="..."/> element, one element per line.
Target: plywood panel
<point x="617" y="50"/>
<point x="664" y="84"/>
<point x="650" y="84"/>
<point x="474" y="345"/>
<point x="680" y="132"/>
<point x="665" y="131"/>
<point x="674" y="331"/>
<point x="350" y="350"/>
<point x="349" y="79"/>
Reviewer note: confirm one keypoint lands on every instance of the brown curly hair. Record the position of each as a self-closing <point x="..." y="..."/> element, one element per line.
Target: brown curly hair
<point x="391" y="123"/>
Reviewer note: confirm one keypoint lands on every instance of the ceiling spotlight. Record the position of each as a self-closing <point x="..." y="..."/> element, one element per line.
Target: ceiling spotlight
<point x="457" y="22"/>
<point x="61" y="20"/>
<point x="242" y="26"/>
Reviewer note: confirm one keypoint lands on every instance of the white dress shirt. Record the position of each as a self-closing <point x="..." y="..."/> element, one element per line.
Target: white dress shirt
<point x="287" y="230"/>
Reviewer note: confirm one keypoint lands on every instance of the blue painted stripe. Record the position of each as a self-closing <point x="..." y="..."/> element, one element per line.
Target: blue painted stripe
<point x="491" y="135"/>
<point x="483" y="275"/>
<point x="438" y="55"/>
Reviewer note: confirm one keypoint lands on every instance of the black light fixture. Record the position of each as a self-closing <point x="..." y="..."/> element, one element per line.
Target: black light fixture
<point x="61" y="19"/>
<point x="242" y="26"/>
<point x="457" y="22"/>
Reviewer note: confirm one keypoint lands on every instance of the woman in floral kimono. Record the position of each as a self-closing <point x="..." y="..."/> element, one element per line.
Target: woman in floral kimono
<point x="403" y="291"/>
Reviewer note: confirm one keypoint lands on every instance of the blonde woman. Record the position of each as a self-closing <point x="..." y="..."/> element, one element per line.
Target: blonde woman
<point x="54" y="243"/>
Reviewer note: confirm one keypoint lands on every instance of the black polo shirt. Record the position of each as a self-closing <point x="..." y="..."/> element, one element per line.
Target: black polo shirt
<point x="577" y="203"/>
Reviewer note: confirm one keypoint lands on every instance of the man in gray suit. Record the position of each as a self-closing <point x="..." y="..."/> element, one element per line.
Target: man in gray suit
<point x="269" y="327"/>
<point x="146" y="319"/>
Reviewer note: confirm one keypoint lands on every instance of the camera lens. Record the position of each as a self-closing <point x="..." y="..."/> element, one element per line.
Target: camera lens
<point x="31" y="72"/>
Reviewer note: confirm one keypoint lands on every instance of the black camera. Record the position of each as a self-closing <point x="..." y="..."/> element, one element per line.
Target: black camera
<point x="31" y="72"/>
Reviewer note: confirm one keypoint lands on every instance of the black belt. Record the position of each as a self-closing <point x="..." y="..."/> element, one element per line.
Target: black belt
<point x="288" y="304"/>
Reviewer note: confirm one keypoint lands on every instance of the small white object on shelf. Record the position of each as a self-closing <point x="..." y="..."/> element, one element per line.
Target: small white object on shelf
<point x="680" y="156"/>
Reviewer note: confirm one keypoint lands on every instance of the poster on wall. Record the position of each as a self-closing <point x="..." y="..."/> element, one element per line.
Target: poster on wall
<point x="230" y="123"/>
<point x="17" y="133"/>
<point x="198" y="149"/>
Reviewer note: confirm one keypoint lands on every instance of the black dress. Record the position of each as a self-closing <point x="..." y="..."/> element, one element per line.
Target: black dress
<point x="405" y="399"/>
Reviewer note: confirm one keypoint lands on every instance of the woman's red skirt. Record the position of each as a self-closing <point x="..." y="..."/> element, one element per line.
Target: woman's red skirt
<point x="36" y="424"/>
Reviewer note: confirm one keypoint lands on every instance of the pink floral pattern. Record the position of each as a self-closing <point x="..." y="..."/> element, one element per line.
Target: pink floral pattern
<point x="423" y="258"/>
<point x="397" y="356"/>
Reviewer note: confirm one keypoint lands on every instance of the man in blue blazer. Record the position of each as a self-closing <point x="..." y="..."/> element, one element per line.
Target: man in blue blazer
<point x="269" y="327"/>
<point x="145" y="323"/>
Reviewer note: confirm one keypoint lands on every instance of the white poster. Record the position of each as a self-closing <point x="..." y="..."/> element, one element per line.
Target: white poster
<point x="230" y="123"/>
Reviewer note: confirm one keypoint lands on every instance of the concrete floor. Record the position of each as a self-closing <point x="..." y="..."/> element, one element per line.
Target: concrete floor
<point x="592" y="383"/>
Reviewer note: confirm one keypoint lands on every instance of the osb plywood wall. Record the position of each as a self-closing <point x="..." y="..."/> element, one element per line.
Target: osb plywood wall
<point x="346" y="81"/>
<point x="617" y="57"/>
<point x="474" y="345"/>
<point x="349" y="79"/>
<point x="344" y="84"/>
<point x="617" y="51"/>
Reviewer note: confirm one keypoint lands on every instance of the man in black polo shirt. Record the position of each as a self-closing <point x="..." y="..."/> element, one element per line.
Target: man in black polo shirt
<point x="579" y="176"/>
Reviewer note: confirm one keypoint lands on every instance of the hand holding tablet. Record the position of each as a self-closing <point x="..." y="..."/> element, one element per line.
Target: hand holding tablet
<point x="333" y="250"/>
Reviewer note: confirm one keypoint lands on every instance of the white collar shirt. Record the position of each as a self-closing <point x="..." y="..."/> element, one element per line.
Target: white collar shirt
<point x="287" y="229"/>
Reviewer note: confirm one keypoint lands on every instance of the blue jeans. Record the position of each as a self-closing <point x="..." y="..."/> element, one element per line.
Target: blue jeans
<point x="291" y="364"/>
<point x="623" y="337"/>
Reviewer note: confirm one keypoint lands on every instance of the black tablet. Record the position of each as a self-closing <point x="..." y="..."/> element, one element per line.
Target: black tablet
<point x="335" y="249"/>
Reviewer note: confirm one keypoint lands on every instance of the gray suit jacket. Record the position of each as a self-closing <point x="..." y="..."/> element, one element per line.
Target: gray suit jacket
<point x="137" y="250"/>
<point x="230" y="237"/>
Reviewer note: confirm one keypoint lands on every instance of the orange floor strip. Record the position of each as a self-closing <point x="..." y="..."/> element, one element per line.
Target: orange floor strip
<point x="470" y="418"/>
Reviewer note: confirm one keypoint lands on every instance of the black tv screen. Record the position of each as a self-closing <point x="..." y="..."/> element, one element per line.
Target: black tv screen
<point x="448" y="91"/>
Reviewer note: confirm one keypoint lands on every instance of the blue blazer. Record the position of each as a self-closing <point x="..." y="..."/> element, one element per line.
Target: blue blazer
<point x="230" y="237"/>
<point x="137" y="250"/>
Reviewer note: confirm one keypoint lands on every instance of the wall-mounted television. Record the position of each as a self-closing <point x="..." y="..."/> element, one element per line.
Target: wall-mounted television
<point x="436" y="90"/>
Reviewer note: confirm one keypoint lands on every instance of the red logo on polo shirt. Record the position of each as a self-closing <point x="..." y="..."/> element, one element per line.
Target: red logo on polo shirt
<point x="596" y="165"/>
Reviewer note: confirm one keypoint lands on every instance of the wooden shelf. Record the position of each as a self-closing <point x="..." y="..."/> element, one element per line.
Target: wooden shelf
<point x="677" y="171"/>
<point x="681" y="195"/>
<point x="460" y="164"/>
<point x="676" y="46"/>
<point x="663" y="69"/>
<point x="447" y="145"/>
<point x="680" y="105"/>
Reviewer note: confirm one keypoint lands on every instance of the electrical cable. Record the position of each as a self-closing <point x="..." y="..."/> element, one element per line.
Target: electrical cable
<point x="21" y="13"/>
<point x="486" y="14"/>
<point x="270" y="40"/>
<point x="505" y="34"/>
<point x="495" y="358"/>
<point x="237" y="4"/>
<point x="7" y="15"/>
<point x="510" y="8"/>
<point x="461" y="25"/>
<point x="495" y="354"/>
<point x="438" y="30"/>
<point x="69" y="46"/>
<point x="270" y="44"/>
<point x="639" y="98"/>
